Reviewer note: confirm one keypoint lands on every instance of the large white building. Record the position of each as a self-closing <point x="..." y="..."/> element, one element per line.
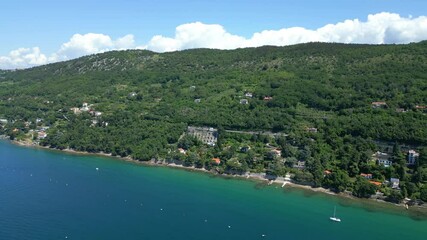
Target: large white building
<point x="208" y="136"/>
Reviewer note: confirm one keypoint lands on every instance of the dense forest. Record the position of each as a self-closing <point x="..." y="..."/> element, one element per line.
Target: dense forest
<point x="327" y="108"/>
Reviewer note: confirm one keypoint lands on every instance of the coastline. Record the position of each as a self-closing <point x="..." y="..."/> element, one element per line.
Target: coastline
<point x="281" y="182"/>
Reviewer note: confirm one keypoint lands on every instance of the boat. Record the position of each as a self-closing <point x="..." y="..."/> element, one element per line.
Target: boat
<point x="334" y="218"/>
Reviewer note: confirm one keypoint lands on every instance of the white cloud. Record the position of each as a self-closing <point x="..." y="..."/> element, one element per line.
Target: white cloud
<point x="22" y="58"/>
<point x="196" y="35"/>
<point x="80" y="45"/>
<point x="377" y="29"/>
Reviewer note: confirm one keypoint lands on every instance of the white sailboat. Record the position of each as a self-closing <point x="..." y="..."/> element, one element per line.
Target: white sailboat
<point x="334" y="218"/>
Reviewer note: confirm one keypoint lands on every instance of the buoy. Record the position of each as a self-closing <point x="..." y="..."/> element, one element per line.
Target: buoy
<point x="97" y="169"/>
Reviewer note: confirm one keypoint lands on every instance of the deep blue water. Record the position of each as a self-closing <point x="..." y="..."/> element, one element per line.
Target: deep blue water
<point x="52" y="195"/>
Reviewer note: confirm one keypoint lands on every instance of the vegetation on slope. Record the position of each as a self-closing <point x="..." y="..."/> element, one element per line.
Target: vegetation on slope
<point x="148" y="99"/>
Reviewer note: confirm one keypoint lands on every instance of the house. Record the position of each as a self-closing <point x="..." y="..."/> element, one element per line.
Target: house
<point x="94" y="122"/>
<point x="382" y="159"/>
<point x="400" y="110"/>
<point x="245" y="149"/>
<point x="197" y="100"/>
<point x="366" y="175"/>
<point x="394" y="182"/>
<point x="217" y="161"/>
<point x="384" y="162"/>
<point x="85" y="107"/>
<point x="244" y="101"/>
<point x="268" y="98"/>
<point x="182" y="150"/>
<point x="97" y="114"/>
<point x="326" y="172"/>
<point x="132" y="94"/>
<point x="276" y="153"/>
<point x="42" y="135"/>
<point x="300" y="164"/>
<point x="420" y="107"/>
<point x="376" y="183"/>
<point x="3" y="121"/>
<point x="206" y="135"/>
<point x="249" y="95"/>
<point x="412" y="157"/>
<point x="312" y="129"/>
<point x="378" y="104"/>
<point x="75" y="110"/>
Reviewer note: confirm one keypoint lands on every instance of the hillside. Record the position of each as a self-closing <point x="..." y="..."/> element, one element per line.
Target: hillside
<point x="318" y="96"/>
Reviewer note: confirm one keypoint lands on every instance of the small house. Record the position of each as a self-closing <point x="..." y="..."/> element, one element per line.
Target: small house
<point x="244" y="101"/>
<point x="382" y="159"/>
<point x="197" y="100"/>
<point x="384" y="162"/>
<point x="366" y="175"/>
<point x="378" y="104"/>
<point x="216" y="161"/>
<point x="42" y="135"/>
<point x="182" y="150"/>
<point x="268" y="98"/>
<point x="75" y="110"/>
<point x="376" y="183"/>
<point x="300" y="164"/>
<point x="312" y="130"/>
<point x="394" y="182"/>
<point x="276" y="152"/>
<point x="249" y="95"/>
<point x="412" y="157"/>
<point x="245" y="149"/>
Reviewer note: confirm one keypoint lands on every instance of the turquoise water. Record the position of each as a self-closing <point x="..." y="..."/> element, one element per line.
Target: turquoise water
<point x="51" y="195"/>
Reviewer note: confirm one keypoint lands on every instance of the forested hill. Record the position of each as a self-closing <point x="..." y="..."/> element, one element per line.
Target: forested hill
<point x="321" y="78"/>
<point x="336" y="103"/>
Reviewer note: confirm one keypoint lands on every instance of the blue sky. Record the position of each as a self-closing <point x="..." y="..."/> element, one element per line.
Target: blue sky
<point x="48" y="24"/>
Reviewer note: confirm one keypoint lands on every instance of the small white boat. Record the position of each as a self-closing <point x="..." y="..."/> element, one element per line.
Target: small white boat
<point x="334" y="218"/>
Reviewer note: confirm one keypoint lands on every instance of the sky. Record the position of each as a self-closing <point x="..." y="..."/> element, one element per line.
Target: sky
<point x="36" y="32"/>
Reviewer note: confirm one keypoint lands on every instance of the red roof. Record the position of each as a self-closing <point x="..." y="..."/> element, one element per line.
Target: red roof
<point x="375" y="183"/>
<point x="327" y="172"/>
<point x="216" y="160"/>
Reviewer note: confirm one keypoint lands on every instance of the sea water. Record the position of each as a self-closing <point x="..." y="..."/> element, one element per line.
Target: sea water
<point x="52" y="195"/>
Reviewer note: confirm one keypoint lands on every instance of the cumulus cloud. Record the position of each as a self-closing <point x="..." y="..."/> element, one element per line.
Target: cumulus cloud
<point x="378" y="28"/>
<point x="22" y="58"/>
<point x="196" y="35"/>
<point x="80" y="45"/>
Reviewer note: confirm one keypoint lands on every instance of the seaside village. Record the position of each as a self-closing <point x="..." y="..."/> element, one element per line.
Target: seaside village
<point x="32" y="132"/>
<point x="209" y="137"/>
<point x="236" y="148"/>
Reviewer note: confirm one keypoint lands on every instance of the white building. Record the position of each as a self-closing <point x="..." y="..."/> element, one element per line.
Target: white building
<point x="412" y="157"/>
